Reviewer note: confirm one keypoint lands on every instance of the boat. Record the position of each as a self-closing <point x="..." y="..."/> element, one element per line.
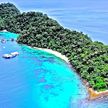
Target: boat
<point x="11" y="55"/>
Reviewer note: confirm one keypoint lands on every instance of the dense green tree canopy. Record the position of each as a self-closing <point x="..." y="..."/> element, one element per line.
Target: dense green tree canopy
<point x="88" y="58"/>
<point x="8" y="10"/>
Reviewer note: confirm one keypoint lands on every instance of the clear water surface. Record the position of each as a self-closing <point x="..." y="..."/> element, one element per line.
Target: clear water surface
<point x="36" y="79"/>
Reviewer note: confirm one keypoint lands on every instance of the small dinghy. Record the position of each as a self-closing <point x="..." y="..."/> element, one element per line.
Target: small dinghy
<point x="11" y="55"/>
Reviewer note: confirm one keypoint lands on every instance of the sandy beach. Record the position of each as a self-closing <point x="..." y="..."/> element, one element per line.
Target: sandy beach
<point x="92" y="93"/>
<point x="63" y="57"/>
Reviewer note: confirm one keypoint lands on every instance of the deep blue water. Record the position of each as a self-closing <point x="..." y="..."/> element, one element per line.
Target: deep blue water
<point x="36" y="79"/>
<point x="88" y="16"/>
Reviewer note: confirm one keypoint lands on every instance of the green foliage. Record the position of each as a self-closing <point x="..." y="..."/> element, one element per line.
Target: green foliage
<point x="1" y="24"/>
<point x="90" y="59"/>
<point x="7" y="13"/>
<point x="8" y="10"/>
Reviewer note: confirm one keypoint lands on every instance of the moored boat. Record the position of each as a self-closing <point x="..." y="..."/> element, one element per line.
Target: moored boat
<point x="11" y="55"/>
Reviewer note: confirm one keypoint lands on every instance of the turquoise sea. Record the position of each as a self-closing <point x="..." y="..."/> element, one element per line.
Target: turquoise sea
<point x="36" y="79"/>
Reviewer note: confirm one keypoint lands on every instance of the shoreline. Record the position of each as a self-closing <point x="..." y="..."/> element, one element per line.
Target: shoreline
<point x="95" y="94"/>
<point x="92" y="93"/>
<point x="57" y="54"/>
<point x="4" y="31"/>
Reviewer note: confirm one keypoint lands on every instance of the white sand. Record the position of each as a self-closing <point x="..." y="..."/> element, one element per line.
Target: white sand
<point x="4" y="31"/>
<point x="54" y="53"/>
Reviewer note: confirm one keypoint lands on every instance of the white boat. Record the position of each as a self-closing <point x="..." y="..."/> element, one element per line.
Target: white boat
<point x="11" y="55"/>
<point x="15" y="53"/>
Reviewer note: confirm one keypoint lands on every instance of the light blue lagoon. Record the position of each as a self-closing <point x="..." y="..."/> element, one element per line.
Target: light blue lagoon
<point x="36" y="79"/>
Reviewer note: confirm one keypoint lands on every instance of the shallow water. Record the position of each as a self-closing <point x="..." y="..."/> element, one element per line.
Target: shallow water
<point x="36" y="79"/>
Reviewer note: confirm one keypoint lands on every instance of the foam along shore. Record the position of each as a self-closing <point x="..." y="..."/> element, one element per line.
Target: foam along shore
<point x="94" y="94"/>
<point x="63" y="57"/>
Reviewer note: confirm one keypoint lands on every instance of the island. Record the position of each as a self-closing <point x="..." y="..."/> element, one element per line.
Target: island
<point x="88" y="58"/>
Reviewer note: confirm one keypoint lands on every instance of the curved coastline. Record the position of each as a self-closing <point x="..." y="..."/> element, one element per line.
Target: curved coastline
<point x="63" y="57"/>
<point x="92" y="93"/>
<point x="72" y="57"/>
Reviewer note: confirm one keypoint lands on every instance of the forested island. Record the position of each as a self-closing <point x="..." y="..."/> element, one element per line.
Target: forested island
<point x="88" y="58"/>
